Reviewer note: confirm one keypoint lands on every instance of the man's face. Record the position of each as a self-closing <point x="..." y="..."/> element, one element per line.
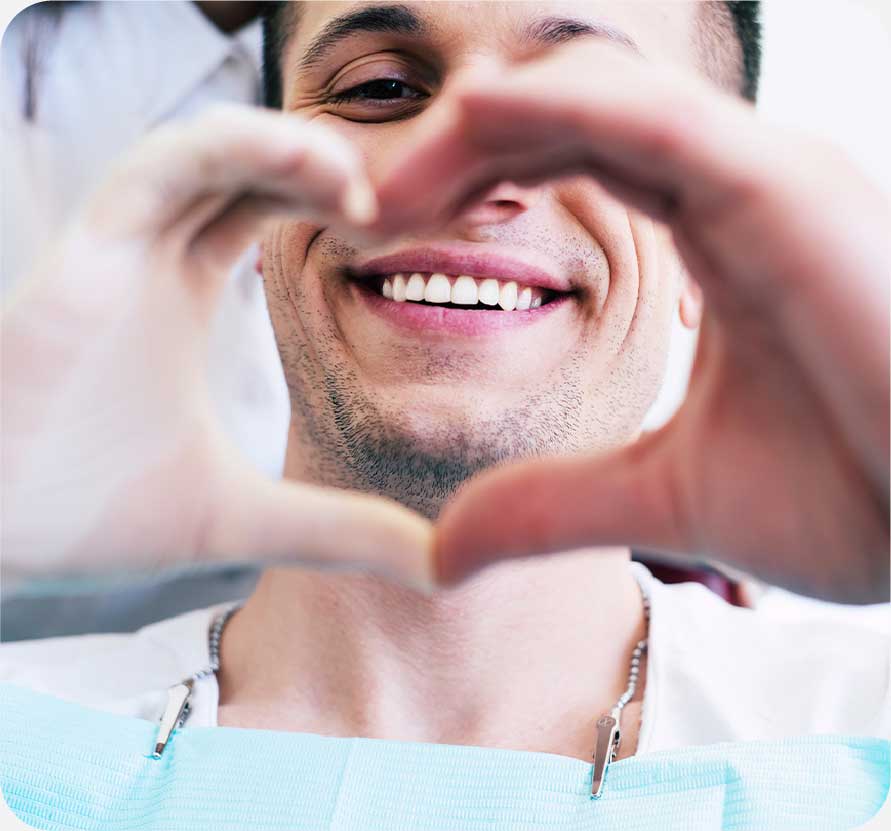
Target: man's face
<point x="408" y="398"/>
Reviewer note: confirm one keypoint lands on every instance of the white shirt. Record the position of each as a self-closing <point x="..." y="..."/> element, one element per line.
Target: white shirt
<point x="715" y="672"/>
<point x="785" y="605"/>
<point x="106" y="73"/>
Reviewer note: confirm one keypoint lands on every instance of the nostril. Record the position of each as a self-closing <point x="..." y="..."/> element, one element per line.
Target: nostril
<point x="493" y="212"/>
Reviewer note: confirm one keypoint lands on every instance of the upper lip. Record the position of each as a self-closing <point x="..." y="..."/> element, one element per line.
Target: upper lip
<point x="473" y="263"/>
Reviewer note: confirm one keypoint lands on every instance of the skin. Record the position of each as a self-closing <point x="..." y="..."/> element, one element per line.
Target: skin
<point x="110" y="422"/>
<point x="365" y="412"/>
<point x="582" y="379"/>
<point x="796" y="300"/>
<point x="374" y="658"/>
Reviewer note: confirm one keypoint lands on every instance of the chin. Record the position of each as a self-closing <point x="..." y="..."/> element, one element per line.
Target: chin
<point x="422" y="463"/>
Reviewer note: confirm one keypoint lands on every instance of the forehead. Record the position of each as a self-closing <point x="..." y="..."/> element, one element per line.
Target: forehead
<point x="658" y="30"/>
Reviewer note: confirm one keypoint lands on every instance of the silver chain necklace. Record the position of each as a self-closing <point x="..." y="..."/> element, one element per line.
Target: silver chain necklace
<point x="609" y="734"/>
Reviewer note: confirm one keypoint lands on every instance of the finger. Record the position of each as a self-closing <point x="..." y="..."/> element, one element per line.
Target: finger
<point x="654" y="127"/>
<point x="638" y="127"/>
<point x="456" y="181"/>
<point x="290" y="522"/>
<point x="754" y="235"/>
<point x="442" y="163"/>
<point x="181" y="172"/>
<point x="553" y="505"/>
<point x="231" y="228"/>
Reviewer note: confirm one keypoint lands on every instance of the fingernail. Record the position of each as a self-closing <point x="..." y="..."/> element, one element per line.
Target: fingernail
<point x="359" y="203"/>
<point x="422" y="578"/>
<point x="418" y="578"/>
<point x="423" y="587"/>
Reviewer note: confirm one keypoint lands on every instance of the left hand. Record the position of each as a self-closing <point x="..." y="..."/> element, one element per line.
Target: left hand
<point x="113" y="455"/>
<point x="777" y="462"/>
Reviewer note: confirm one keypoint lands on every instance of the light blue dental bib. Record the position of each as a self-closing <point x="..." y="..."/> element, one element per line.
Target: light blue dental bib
<point x="63" y="766"/>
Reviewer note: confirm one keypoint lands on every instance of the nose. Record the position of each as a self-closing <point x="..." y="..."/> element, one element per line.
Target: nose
<point x="504" y="202"/>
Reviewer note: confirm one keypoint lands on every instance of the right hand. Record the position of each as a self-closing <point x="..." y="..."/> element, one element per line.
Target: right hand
<point x="112" y="455"/>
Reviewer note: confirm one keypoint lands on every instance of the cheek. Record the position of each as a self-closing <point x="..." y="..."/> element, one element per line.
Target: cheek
<point x="635" y="311"/>
<point x="608" y="223"/>
<point x="647" y="344"/>
<point x="284" y="255"/>
<point x="642" y="289"/>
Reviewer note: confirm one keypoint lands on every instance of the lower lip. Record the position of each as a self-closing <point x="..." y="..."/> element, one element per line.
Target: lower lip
<point x="421" y="317"/>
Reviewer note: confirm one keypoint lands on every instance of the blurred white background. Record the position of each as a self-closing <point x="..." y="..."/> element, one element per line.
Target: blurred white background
<point x="826" y="70"/>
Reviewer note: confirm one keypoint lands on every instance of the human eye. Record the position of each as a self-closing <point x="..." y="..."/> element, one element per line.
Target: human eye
<point x="377" y="90"/>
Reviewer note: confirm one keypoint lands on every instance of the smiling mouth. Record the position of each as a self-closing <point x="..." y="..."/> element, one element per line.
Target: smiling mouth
<point x="459" y="291"/>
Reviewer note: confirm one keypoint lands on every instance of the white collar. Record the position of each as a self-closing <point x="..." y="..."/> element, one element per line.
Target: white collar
<point x="190" y="49"/>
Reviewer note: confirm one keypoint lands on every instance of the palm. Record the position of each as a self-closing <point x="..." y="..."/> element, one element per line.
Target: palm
<point x="112" y="452"/>
<point x="115" y="400"/>
<point x="754" y="466"/>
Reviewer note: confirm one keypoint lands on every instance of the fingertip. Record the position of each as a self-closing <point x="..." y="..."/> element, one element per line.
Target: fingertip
<point x="396" y="542"/>
<point x="473" y="105"/>
<point x="477" y="81"/>
<point x="462" y="545"/>
<point x="420" y="574"/>
<point x="424" y="584"/>
<point x="359" y="203"/>
<point x="442" y="572"/>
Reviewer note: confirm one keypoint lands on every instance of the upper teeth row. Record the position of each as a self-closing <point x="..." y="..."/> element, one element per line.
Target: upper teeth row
<point x="461" y="290"/>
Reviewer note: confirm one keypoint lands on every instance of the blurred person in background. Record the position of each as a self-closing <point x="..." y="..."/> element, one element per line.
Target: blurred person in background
<point x="82" y="82"/>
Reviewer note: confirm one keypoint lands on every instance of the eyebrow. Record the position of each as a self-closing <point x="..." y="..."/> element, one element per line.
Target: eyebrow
<point x="401" y="20"/>
<point x="396" y="20"/>
<point x="551" y="31"/>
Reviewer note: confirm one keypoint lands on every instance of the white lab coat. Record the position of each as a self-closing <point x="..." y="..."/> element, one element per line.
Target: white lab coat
<point x="107" y="73"/>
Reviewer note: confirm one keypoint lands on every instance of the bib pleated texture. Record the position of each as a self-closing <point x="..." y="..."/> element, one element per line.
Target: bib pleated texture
<point x="65" y="767"/>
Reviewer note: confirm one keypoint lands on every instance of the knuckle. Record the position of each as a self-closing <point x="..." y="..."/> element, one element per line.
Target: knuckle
<point x="667" y="138"/>
<point x="677" y="122"/>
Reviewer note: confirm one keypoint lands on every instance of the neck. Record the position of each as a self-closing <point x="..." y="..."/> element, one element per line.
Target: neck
<point x="526" y="655"/>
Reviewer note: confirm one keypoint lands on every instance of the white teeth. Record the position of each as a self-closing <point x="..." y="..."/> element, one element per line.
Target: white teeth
<point x="489" y="292"/>
<point x="507" y="298"/>
<point x="464" y="291"/>
<point x="414" y="290"/>
<point x="399" y="288"/>
<point x="438" y="290"/>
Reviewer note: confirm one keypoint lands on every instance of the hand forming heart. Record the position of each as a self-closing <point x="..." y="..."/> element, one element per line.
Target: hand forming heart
<point x="776" y="464"/>
<point x="112" y="454"/>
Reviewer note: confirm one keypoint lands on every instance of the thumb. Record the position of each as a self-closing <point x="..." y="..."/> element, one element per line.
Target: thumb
<point x="551" y="505"/>
<point x="295" y="523"/>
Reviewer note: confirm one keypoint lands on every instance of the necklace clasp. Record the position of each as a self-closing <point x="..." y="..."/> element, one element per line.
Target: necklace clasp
<point x="608" y="738"/>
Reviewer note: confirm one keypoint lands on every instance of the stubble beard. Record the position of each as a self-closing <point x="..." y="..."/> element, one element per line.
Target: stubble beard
<point x="350" y="441"/>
